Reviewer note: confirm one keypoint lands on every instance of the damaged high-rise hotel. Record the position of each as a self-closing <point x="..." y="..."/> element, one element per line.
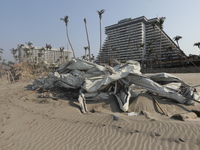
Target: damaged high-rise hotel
<point x="138" y="39"/>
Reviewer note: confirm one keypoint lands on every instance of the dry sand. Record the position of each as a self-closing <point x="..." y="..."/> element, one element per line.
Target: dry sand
<point x="31" y="123"/>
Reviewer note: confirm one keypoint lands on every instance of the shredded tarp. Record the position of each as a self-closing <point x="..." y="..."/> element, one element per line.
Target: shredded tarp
<point x="97" y="82"/>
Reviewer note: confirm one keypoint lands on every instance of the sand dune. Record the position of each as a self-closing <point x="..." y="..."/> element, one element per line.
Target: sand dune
<point x="29" y="122"/>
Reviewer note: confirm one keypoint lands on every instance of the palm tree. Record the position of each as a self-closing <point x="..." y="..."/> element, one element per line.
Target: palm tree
<point x="142" y="49"/>
<point x="160" y="23"/>
<point x="177" y="38"/>
<point x="61" y="54"/>
<point x="31" y="51"/>
<point x="27" y="54"/>
<point x="197" y="44"/>
<point x="29" y="44"/>
<point x="86" y="47"/>
<point x="100" y="17"/>
<point x="65" y="19"/>
<point x="130" y="48"/>
<point x="87" y="39"/>
<point x="92" y="58"/>
<point x="150" y="50"/>
<point x="40" y="54"/>
<point x="48" y="47"/>
<point x="19" y="48"/>
<point x="168" y="49"/>
<point x="14" y="51"/>
<point x="153" y="24"/>
<point x="1" y="51"/>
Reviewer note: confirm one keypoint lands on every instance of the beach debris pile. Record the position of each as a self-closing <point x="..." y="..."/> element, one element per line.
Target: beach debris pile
<point x="25" y="71"/>
<point x="96" y="82"/>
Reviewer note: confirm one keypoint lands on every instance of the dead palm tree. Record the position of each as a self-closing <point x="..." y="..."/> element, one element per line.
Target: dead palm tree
<point x="177" y="38"/>
<point x="65" y="19"/>
<point x="100" y="17"/>
<point x="87" y="39"/>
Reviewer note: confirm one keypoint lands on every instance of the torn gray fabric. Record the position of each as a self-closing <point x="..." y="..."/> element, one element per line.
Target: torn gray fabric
<point x="97" y="82"/>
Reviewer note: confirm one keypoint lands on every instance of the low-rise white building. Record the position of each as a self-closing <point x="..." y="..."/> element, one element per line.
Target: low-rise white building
<point x="49" y="56"/>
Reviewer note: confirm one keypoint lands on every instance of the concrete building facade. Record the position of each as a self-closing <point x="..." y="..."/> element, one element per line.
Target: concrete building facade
<point x="137" y="39"/>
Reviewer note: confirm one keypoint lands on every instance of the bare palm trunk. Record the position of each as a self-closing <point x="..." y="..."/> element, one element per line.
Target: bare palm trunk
<point x="69" y="41"/>
<point x="63" y="57"/>
<point x="100" y="57"/>
<point x="87" y="40"/>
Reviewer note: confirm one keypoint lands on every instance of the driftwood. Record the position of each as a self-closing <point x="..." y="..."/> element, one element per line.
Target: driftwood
<point x="10" y="77"/>
<point x="157" y="104"/>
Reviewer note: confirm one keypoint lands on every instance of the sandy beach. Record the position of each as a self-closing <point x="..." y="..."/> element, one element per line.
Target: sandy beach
<point x="31" y="123"/>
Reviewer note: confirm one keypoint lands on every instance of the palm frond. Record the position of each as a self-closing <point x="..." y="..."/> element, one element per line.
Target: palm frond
<point x="65" y="19"/>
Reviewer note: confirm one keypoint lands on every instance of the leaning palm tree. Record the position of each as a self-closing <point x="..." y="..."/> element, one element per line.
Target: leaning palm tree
<point x="177" y="38"/>
<point x="100" y="17"/>
<point x="65" y="19"/>
<point x="87" y="39"/>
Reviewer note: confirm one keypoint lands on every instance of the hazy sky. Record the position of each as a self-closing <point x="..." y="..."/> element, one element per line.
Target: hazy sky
<point x="38" y="21"/>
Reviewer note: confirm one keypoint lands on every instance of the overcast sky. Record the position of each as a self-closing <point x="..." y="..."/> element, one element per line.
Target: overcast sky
<point x="38" y="21"/>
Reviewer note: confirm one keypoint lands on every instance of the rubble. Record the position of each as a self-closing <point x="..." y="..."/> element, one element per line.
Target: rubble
<point x="96" y="82"/>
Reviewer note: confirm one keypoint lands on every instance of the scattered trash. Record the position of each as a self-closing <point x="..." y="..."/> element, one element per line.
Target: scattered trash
<point x="116" y="118"/>
<point x="132" y="114"/>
